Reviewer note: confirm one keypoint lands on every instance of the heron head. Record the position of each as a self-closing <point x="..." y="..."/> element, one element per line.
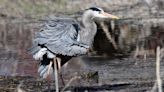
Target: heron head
<point x="99" y="13"/>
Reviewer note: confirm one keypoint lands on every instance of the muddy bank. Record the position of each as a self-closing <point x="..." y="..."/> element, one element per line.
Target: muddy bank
<point x="96" y="75"/>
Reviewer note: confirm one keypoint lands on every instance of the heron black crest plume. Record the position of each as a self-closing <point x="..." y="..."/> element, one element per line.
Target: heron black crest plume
<point x="95" y="9"/>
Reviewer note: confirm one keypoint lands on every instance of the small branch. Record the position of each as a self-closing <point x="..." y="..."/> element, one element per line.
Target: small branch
<point x="162" y="51"/>
<point x="70" y="81"/>
<point x="19" y="89"/>
<point x="154" y="88"/>
<point x="108" y="35"/>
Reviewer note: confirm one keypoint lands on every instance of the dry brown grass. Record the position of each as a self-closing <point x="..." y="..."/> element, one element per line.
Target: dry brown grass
<point x="108" y="35"/>
<point x="40" y="8"/>
<point x="158" y="83"/>
<point x="158" y="74"/>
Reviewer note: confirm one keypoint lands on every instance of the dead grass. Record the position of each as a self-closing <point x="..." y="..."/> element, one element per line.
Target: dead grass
<point x="158" y="74"/>
<point x="40" y="8"/>
<point x="108" y="35"/>
<point x="158" y="83"/>
<point x="31" y="8"/>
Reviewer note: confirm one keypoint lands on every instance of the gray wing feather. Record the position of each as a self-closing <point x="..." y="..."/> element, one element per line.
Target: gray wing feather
<point x="34" y="49"/>
<point x="60" y="37"/>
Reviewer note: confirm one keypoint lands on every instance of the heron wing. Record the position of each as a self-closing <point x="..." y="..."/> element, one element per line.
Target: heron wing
<point x="60" y="37"/>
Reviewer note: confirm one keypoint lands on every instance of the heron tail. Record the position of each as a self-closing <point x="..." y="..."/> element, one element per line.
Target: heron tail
<point x="37" y="51"/>
<point x="44" y="67"/>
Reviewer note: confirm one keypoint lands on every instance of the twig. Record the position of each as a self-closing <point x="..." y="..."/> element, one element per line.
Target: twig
<point x="108" y="35"/>
<point x="154" y="87"/>
<point x="19" y="89"/>
<point x="159" y="82"/>
<point x="70" y="81"/>
<point x="162" y="51"/>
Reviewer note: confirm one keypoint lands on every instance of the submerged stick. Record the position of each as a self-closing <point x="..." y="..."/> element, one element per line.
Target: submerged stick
<point x="70" y="81"/>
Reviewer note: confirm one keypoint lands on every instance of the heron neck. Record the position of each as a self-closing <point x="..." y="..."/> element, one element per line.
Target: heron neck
<point x="88" y="31"/>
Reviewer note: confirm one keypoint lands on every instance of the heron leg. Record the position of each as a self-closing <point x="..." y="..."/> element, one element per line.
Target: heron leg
<point x="58" y="63"/>
<point x="48" y="76"/>
<point x="49" y="67"/>
<point x="59" y="69"/>
<point x="56" y="75"/>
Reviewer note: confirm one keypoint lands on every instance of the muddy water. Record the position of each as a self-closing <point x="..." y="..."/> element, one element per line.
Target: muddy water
<point x="132" y="36"/>
<point x="96" y="74"/>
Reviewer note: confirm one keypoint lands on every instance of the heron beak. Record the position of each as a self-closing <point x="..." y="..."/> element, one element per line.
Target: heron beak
<point x="110" y="15"/>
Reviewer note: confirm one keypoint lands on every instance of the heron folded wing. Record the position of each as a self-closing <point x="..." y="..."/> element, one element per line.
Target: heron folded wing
<point x="34" y="49"/>
<point x="69" y="50"/>
<point x="55" y="31"/>
<point x="60" y="38"/>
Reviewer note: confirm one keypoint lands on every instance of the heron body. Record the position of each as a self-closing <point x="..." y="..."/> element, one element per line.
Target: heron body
<point x="57" y="38"/>
<point x="65" y="38"/>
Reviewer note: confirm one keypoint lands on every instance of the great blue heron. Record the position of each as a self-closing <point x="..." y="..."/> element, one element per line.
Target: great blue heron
<point x="61" y="39"/>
